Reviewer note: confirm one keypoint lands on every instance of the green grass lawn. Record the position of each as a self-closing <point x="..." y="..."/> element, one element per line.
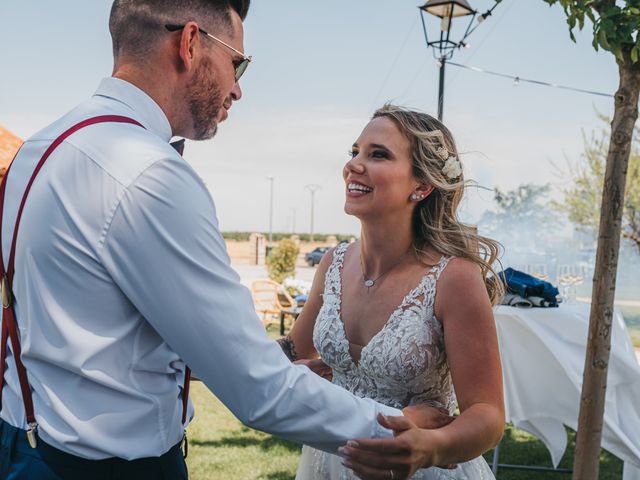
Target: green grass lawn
<point x="221" y="448"/>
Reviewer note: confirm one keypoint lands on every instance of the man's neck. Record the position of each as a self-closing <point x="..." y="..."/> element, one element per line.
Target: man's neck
<point x="148" y="83"/>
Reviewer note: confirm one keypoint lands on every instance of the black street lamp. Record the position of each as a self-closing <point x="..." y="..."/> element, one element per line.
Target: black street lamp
<point x="443" y="45"/>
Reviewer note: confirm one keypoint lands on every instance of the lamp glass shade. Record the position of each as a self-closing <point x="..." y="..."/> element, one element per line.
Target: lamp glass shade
<point x="447" y="8"/>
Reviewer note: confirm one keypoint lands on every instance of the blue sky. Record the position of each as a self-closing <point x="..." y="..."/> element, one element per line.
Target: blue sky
<point x="319" y="71"/>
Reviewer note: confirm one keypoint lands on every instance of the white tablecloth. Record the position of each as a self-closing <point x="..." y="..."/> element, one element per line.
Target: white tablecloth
<point x="543" y="352"/>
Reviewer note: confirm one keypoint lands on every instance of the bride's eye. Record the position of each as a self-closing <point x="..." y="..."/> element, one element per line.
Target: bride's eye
<point x="352" y="153"/>
<point x="380" y="154"/>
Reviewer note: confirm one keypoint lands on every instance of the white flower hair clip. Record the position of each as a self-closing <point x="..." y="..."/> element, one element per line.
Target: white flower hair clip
<point x="442" y="152"/>
<point x="452" y="168"/>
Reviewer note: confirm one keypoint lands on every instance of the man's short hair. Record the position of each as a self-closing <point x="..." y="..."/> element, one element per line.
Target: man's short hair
<point x="136" y="26"/>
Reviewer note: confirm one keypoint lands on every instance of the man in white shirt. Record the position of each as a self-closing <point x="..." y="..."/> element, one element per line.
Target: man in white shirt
<point x="122" y="276"/>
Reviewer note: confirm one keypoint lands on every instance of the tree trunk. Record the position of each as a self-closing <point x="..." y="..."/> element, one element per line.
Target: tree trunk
<point x="587" y="457"/>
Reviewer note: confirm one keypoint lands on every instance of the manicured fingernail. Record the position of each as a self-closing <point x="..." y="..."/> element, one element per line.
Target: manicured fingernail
<point x="342" y="450"/>
<point x="353" y="444"/>
<point x="347" y="463"/>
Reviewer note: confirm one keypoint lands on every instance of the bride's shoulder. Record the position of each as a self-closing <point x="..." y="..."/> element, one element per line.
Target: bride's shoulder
<point x="459" y="275"/>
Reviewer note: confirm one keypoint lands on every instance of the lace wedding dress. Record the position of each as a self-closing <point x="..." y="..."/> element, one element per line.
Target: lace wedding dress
<point x="403" y="364"/>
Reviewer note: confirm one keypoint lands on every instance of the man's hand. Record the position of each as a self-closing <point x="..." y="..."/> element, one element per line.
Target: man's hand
<point x="318" y="367"/>
<point x="425" y="416"/>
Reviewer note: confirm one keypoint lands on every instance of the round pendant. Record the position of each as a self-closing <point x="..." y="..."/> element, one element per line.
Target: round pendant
<point x="369" y="283"/>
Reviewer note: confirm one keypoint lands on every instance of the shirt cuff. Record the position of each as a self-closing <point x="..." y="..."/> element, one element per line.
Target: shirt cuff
<point x="380" y="431"/>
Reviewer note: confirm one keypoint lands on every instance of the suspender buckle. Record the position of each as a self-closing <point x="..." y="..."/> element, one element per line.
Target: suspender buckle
<point x="185" y="445"/>
<point x="32" y="435"/>
<point x="6" y="292"/>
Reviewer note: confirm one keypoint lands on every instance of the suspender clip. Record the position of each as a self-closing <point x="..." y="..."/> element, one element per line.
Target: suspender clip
<point x="185" y="445"/>
<point x="32" y="435"/>
<point x="6" y="292"/>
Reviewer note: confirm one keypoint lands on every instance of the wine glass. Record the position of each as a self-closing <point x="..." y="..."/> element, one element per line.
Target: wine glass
<point x="539" y="270"/>
<point x="565" y="280"/>
<point x="579" y="273"/>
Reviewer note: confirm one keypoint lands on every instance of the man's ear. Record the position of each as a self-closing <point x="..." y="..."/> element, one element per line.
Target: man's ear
<point x="189" y="42"/>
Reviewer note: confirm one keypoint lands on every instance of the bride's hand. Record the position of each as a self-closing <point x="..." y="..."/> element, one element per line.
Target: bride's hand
<point x="318" y="367"/>
<point x="395" y="458"/>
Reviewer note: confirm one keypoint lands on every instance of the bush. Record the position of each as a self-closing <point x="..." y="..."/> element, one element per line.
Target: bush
<point x="281" y="262"/>
<point x="238" y="236"/>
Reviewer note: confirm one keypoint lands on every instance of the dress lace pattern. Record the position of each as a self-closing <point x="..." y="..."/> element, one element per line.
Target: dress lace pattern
<point x="403" y="364"/>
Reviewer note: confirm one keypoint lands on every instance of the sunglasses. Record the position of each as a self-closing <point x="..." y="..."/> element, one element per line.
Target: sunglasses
<point x="239" y="65"/>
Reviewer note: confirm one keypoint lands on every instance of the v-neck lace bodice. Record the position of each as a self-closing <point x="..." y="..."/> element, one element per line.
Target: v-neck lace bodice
<point x="405" y="362"/>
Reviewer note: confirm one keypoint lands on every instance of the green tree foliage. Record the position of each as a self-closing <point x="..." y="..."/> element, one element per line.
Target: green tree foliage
<point x="615" y="24"/>
<point x="583" y="198"/>
<point x="281" y="262"/>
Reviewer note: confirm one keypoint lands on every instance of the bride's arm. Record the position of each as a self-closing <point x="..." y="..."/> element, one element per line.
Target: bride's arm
<point x="298" y="344"/>
<point x="473" y="355"/>
<point x="471" y="344"/>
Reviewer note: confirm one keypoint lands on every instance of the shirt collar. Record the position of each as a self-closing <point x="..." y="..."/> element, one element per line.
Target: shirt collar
<point x="145" y="109"/>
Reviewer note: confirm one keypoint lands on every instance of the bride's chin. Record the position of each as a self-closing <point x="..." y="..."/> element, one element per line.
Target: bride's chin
<point x="351" y="211"/>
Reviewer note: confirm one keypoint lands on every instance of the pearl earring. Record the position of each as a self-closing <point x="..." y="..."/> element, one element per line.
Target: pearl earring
<point x="417" y="196"/>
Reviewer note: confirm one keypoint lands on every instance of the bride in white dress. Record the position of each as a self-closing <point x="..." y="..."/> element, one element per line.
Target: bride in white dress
<point x="403" y="316"/>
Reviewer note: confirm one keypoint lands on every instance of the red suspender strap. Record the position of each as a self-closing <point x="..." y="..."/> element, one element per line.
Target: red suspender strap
<point x="9" y="327"/>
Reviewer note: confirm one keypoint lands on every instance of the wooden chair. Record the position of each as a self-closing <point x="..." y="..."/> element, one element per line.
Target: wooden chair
<point x="270" y="299"/>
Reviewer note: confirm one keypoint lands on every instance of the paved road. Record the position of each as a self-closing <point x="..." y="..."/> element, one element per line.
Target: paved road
<point x="249" y="273"/>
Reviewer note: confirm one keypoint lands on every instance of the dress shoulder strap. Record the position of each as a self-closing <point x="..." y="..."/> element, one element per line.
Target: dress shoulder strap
<point x="332" y="283"/>
<point x="440" y="266"/>
<point x="425" y="293"/>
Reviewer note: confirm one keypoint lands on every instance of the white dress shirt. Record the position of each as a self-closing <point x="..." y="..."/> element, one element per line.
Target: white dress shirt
<point x="122" y="276"/>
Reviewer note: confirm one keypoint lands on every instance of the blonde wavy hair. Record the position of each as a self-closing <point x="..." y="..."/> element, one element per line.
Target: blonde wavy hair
<point x="435" y="219"/>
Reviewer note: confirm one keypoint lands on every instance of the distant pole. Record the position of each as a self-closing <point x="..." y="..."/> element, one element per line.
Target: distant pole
<point x="270" y="178"/>
<point x="313" y="188"/>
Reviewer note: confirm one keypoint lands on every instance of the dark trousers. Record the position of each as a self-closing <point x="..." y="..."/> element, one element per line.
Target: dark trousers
<point x="18" y="461"/>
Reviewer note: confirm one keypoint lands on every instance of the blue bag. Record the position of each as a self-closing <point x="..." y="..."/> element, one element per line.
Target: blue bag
<point x="527" y="285"/>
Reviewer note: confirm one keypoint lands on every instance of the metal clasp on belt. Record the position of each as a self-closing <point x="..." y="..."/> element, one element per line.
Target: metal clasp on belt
<point x="32" y="435"/>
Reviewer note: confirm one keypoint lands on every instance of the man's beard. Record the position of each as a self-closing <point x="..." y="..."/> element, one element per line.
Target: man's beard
<point x="205" y="101"/>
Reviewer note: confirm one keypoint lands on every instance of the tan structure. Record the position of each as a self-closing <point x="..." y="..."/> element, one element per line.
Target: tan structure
<point x="270" y="299"/>
<point x="9" y="145"/>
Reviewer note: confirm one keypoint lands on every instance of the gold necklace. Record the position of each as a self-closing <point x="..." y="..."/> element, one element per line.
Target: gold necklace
<point x="371" y="282"/>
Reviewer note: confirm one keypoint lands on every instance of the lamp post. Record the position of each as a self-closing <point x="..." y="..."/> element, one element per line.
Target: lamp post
<point x="271" y="179"/>
<point x="312" y="189"/>
<point x="443" y="45"/>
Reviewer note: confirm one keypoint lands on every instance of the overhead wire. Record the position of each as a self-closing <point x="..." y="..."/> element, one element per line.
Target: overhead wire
<point x="484" y="39"/>
<point x="392" y="67"/>
<point x="517" y="80"/>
